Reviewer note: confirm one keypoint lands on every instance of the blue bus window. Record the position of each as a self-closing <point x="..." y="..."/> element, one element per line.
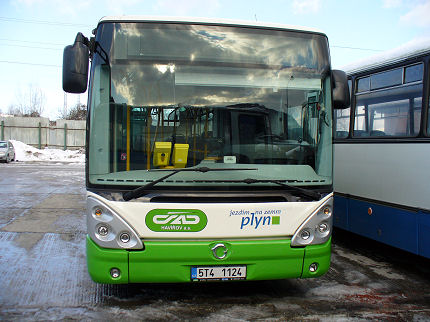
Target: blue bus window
<point x="350" y="87"/>
<point x="414" y="73"/>
<point x="386" y="79"/>
<point x="363" y="85"/>
<point x="428" y="120"/>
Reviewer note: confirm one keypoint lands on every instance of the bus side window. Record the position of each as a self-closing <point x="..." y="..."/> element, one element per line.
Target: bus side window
<point x="397" y="114"/>
<point x="360" y="121"/>
<point x="428" y="107"/>
<point x="388" y="103"/>
<point x="341" y="118"/>
<point x="428" y="120"/>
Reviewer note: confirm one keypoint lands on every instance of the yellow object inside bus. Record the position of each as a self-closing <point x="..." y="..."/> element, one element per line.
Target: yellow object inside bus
<point x="180" y="155"/>
<point x="161" y="156"/>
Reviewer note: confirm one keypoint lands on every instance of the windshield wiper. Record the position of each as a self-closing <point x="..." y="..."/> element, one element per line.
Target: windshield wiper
<point x="139" y="192"/>
<point x="301" y="191"/>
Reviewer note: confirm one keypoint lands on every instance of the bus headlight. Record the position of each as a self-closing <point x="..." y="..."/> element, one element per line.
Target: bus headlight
<point x="323" y="227"/>
<point x="124" y="238"/>
<point x="317" y="228"/>
<point x="107" y="229"/>
<point x="103" y="230"/>
<point x="115" y="273"/>
<point x="305" y="234"/>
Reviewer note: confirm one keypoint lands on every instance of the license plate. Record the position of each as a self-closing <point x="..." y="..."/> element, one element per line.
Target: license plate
<point x="223" y="273"/>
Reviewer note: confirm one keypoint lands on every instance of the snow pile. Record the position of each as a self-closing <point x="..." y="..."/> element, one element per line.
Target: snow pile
<point x="24" y="152"/>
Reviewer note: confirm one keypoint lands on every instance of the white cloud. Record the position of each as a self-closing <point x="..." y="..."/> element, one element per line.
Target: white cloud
<point x="306" y="6"/>
<point x="66" y="7"/>
<point x="120" y="7"/>
<point x="187" y="7"/>
<point x="30" y="2"/>
<point x="391" y="3"/>
<point x="419" y="15"/>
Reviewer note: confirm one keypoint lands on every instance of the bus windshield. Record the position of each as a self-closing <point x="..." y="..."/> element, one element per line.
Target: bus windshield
<point x="167" y="96"/>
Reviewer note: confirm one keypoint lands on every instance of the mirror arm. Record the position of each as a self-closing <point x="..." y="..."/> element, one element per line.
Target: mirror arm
<point x="82" y="39"/>
<point x="95" y="47"/>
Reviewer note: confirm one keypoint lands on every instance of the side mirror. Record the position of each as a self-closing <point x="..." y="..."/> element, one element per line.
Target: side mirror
<point x="75" y="66"/>
<point x="340" y="90"/>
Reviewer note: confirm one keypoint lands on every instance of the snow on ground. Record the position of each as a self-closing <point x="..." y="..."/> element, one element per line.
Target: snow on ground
<point x="24" y="152"/>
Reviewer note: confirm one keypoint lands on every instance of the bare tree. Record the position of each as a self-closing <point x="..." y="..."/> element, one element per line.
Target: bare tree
<point x="62" y="113"/>
<point x="78" y="112"/>
<point x="14" y="110"/>
<point x="28" y="103"/>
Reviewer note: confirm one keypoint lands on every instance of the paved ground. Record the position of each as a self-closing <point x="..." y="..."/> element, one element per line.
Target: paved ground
<point x="43" y="270"/>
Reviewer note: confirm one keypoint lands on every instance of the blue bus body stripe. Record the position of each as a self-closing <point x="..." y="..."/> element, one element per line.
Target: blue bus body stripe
<point x="406" y="229"/>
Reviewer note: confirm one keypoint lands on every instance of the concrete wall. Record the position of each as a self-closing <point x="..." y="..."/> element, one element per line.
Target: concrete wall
<point x="39" y="131"/>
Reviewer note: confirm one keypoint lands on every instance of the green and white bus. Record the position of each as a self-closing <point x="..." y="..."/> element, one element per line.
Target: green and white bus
<point x="209" y="149"/>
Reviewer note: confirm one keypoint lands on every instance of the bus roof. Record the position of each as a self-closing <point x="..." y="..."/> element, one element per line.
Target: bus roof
<point x="413" y="48"/>
<point x="209" y="21"/>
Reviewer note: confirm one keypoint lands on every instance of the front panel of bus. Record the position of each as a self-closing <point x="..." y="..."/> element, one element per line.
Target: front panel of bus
<point x="228" y="131"/>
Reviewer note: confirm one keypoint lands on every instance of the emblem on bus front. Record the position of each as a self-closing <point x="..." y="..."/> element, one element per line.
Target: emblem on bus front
<point x="176" y="220"/>
<point x="219" y="251"/>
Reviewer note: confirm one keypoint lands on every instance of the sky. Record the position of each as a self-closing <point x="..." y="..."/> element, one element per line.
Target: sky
<point x="33" y="33"/>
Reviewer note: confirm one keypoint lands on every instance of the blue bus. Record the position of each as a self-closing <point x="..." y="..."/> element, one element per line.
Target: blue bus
<point x="382" y="150"/>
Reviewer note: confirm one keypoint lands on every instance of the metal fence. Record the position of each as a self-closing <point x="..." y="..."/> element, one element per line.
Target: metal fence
<point x="40" y="132"/>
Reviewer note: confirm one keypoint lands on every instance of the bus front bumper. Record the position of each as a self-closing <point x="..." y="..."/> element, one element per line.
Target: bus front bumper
<point x="171" y="261"/>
